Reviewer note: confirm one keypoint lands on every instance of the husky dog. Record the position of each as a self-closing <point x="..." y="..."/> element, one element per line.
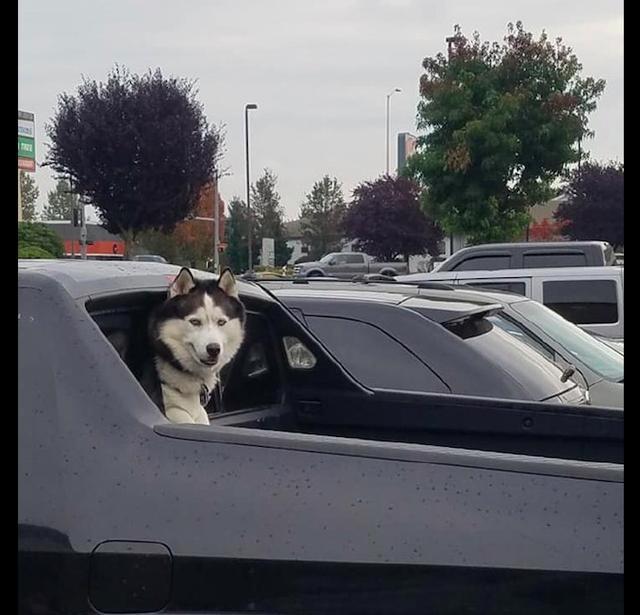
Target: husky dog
<point x="194" y="334"/>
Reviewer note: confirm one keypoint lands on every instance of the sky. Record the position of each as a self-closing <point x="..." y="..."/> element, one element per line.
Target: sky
<point x="319" y="71"/>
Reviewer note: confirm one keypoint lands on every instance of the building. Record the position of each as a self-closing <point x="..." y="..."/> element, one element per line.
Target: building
<point x="406" y="148"/>
<point x="100" y="243"/>
<point x="295" y="240"/>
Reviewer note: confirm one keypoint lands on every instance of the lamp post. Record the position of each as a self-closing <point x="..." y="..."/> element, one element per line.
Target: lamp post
<point x="389" y="95"/>
<point x="246" y="135"/>
<point x="216" y="214"/>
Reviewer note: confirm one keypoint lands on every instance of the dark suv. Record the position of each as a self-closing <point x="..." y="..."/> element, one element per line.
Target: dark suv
<point x="598" y="367"/>
<point x="534" y="255"/>
<point x="400" y="341"/>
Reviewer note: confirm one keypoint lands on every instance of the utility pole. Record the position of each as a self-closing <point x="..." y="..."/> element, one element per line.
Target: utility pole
<point x="83" y="231"/>
<point x="216" y="225"/>
<point x="389" y="95"/>
<point x="451" y="41"/>
<point x="19" y="199"/>
<point x="249" y="224"/>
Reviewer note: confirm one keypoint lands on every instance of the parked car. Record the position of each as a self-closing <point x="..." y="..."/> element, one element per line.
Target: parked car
<point x="530" y="255"/>
<point x="346" y="265"/>
<point x="599" y="368"/>
<point x="591" y="297"/>
<point x="271" y="508"/>
<point x="149" y="258"/>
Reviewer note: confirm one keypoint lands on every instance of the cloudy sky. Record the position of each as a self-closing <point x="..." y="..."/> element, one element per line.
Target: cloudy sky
<point x="319" y="70"/>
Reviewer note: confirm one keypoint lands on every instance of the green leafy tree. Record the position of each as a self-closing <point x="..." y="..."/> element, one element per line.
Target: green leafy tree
<point x="322" y="215"/>
<point x="36" y="240"/>
<point x="503" y="122"/>
<point x="29" y="194"/>
<point x="268" y="217"/>
<point x="139" y="148"/>
<point x="61" y="202"/>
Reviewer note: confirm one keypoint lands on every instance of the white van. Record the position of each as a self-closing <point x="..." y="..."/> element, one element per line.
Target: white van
<point x="592" y="297"/>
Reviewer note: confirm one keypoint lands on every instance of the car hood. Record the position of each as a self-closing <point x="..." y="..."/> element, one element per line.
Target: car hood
<point x="607" y="394"/>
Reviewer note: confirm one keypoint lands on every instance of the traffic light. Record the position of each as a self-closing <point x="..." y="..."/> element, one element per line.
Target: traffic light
<point x="76" y="217"/>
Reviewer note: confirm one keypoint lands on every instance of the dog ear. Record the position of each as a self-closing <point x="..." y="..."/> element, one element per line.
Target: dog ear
<point x="183" y="283"/>
<point x="227" y="283"/>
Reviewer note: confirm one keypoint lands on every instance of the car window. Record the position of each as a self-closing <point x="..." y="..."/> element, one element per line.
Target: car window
<point x="558" y="259"/>
<point x="520" y="333"/>
<point x="595" y="354"/>
<point x="253" y="379"/>
<point x="534" y="370"/>
<point x="510" y="287"/>
<point x="373" y="357"/>
<point x="584" y="302"/>
<point x="484" y="263"/>
<point x="354" y="259"/>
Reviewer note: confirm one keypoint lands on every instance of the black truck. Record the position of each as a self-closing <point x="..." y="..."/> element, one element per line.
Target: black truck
<point x="272" y="508"/>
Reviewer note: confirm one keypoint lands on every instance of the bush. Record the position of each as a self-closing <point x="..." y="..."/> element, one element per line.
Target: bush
<point x="34" y="234"/>
<point x="31" y="251"/>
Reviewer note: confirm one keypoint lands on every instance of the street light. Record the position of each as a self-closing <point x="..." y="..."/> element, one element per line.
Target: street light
<point x="389" y="95"/>
<point x="246" y="134"/>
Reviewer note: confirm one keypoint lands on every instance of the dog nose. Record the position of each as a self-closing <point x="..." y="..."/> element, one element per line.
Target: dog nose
<point x="213" y="350"/>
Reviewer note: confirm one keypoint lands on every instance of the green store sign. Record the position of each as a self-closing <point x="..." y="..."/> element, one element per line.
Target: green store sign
<point x="26" y="147"/>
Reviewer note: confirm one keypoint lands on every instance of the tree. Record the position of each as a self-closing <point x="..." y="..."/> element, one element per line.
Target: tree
<point x="504" y="120"/>
<point x="29" y="194"/>
<point x="138" y="147"/>
<point x="546" y="231"/>
<point x="595" y="205"/>
<point x="191" y="242"/>
<point x="195" y="237"/>
<point x="36" y="240"/>
<point x="61" y="202"/>
<point x="236" y="253"/>
<point x="268" y="217"/>
<point x="386" y="219"/>
<point x="321" y="217"/>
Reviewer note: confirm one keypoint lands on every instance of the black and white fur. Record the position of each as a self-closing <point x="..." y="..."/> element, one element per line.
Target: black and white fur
<point x="194" y="334"/>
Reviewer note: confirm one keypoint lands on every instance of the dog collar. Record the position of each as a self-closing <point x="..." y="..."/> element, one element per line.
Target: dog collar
<point x="205" y="395"/>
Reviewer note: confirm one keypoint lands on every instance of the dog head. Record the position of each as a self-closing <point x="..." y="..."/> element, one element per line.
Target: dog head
<point x="200" y="326"/>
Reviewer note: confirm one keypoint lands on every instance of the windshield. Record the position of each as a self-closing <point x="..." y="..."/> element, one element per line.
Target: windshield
<point x="596" y="355"/>
<point x="327" y="258"/>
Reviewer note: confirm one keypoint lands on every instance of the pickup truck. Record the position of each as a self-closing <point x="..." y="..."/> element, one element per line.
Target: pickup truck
<point x="530" y="255"/>
<point x="347" y="265"/>
<point x="273" y="508"/>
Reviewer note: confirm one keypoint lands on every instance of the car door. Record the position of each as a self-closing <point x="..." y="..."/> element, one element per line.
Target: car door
<point x="356" y="264"/>
<point x="120" y="511"/>
<point x="339" y="267"/>
<point x="388" y="349"/>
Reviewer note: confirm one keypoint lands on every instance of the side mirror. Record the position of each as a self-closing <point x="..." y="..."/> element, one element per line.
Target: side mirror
<point x="332" y="262"/>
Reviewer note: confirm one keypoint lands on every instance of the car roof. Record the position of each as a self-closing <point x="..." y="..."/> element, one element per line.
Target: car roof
<point x="548" y="272"/>
<point x="84" y="278"/>
<point x="532" y="245"/>
<point x="440" y="306"/>
<point x="288" y="288"/>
